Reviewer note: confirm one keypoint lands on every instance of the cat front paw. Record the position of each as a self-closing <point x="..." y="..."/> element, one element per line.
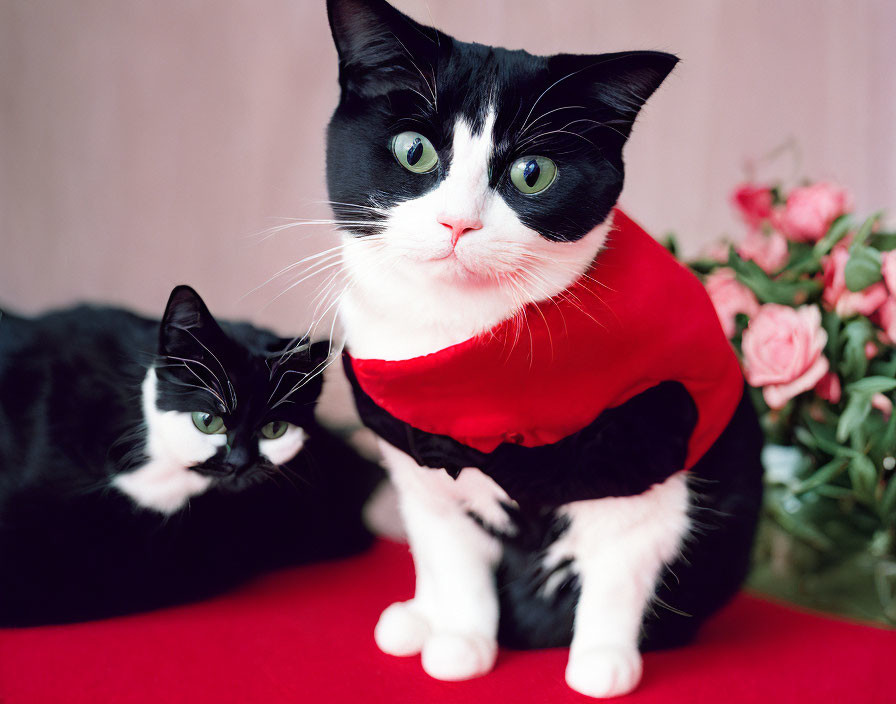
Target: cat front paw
<point x="402" y="629"/>
<point x="607" y="671"/>
<point x="458" y="656"/>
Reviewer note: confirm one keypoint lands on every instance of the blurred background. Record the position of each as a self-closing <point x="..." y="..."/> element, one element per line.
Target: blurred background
<point x="148" y="144"/>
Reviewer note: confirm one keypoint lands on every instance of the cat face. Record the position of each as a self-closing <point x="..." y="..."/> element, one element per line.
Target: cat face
<point x="465" y="170"/>
<point x="220" y="412"/>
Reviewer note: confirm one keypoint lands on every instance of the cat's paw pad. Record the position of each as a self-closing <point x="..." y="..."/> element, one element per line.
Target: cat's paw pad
<point x="456" y="656"/>
<point x="604" y="672"/>
<point x="401" y="630"/>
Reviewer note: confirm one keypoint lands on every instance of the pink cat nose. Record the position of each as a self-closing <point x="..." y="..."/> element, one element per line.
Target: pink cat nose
<point x="459" y="225"/>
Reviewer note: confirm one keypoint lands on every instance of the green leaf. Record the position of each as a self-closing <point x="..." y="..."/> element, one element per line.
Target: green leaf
<point x="704" y="266"/>
<point x="822" y="476"/>
<point x="803" y="260"/>
<point x="806" y="438"/>
<point x="882" y="367"/>
<point x="832" y="491"/>
<point x="872" y="385"/>
<point x="854" y="363"/>
<point x="887" y="439"/>
<point x="827" y="439"/>
<point x="671" y="243"/>
<point x="866" y="228"/>
<point x="863" y="476"/>
<point x="768" y="290"/>
<point x="857" y="409"/>
<point x="862" y="268"/>
<point x="836" y="232"/>
<point x="883" y="241"/>
<point x="831" y="323"/>
<point x="801" y="528"/>
<point x="887" y="505"/>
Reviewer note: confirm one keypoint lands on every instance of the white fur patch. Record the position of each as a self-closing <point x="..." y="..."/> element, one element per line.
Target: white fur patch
<point x="173" y="444"/>
<point x="453" y="618"/>
<point x="283" y="449"/>
<point x="619" y="548"/>
<point x="415" y="292"/>
<point x="472" y="491"/>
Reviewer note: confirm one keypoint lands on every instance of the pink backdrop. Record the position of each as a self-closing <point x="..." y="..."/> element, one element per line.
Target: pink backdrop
<point x="144" y="144"/>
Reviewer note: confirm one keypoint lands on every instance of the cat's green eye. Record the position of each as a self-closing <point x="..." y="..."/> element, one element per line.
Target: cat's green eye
<point x="275" y="429"/>
<point x="209" y="423"/>
<point x="532" y="174"/>
<point x="415" y="152"/>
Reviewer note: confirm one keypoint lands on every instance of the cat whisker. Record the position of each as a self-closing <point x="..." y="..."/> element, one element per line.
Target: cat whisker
<point x="215" y="357"/>
<point x="547" y="90"/>
<point x="319" y="270"/>
<point x="218" y="394"/>
<point x="534" y="122"/>
<point x="325" y="255"/>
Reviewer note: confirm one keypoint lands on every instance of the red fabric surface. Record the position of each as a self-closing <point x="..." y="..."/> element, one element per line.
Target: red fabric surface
<point x="638" y="318"/>
<point x="306" y="635"/>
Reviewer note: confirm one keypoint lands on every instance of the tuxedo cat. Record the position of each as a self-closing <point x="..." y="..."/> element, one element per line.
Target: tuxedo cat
<point x="506" y="324"/>
<point x="144" y="464"/>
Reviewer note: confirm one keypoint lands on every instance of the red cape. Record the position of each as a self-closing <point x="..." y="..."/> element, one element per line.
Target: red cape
<point x="637" y="318"/>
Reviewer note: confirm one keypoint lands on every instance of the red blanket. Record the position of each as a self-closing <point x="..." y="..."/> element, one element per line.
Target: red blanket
<point x="305" y="635"/>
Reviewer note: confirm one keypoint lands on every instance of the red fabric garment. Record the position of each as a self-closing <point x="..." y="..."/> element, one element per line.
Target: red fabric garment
<point x="636" y="319"/>
<point x="305" y="636"/>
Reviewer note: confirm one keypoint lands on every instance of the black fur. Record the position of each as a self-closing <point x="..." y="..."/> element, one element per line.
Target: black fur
<point x="72" y="547"/>
<point x="727" y="494"/>
<point x="398" y="75"/>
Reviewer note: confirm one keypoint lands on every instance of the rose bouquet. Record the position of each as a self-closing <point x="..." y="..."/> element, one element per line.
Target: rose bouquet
<point x="808" y="299"/>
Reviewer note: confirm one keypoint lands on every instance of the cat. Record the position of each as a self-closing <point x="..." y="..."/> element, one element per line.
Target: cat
<point x="147" y="463"/>
<point x="507" y="324"/>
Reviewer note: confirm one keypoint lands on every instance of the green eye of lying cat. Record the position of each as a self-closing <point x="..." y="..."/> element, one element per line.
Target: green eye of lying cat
<point x="209" y="423"/>
<point x="275" y="429"/>
<point x="414" y="152"/>
<point x="532" y="174"/>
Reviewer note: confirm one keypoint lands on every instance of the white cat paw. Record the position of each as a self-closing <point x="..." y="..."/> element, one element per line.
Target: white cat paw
<point x="605" y="671"/>
<point x="456" y="656"/>
<point x="401" y="630"/>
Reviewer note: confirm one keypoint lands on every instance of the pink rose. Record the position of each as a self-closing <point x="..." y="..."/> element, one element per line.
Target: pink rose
<point x="839" y="298"/>
<point x="768" y="251"/>
<point x="782" y="349"/>
<point x="730" y="297"/>
<point x="883" y="404"/>
<point x="888" y="269"/>
<point x="754" y="203"/>
<point x="829" y="388"/>
<point x="810" y="210"/>
<point x="886" y="318"/>
<point x="870" y="350"/>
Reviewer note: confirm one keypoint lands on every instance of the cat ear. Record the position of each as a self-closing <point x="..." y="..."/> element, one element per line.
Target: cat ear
<point x="188" y="330"/>
<point x="379" y="47"/>
<point x="615" y="85"/>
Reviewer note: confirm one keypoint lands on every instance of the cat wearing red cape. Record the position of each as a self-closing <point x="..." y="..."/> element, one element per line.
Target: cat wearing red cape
<point x="564" y="421"/>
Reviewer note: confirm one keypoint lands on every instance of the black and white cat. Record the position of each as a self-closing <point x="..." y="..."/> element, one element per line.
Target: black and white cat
<point x="143" y="464"/>
<point x="475" y="186"/>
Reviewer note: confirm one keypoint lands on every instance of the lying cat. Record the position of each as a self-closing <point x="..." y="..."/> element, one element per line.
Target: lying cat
<point x="145" y="464"/>
<point x="505" y="323"/>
